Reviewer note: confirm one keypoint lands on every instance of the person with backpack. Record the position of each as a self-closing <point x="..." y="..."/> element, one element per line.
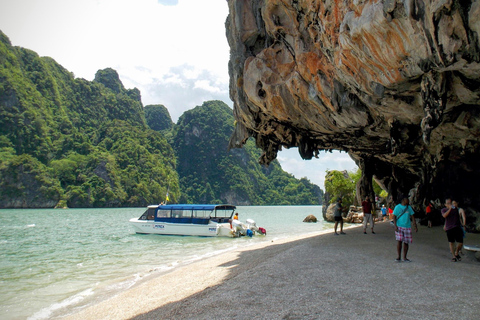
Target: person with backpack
<point x="403" y="217"/>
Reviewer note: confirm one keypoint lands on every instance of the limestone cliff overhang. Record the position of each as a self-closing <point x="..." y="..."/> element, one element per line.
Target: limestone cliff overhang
<point x="395" y="84"/>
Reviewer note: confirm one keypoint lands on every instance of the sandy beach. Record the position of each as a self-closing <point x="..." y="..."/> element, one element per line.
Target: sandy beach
<point x="351" y="276"/>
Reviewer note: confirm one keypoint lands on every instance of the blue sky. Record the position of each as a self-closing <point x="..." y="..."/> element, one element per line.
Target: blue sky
<point x="174" y="51"/>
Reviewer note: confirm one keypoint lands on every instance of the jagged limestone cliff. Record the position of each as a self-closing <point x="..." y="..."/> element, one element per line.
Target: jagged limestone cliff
<point x="396" y="84"/>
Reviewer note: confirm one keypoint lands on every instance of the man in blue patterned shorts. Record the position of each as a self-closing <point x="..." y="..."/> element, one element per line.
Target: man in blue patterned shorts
<point x="403" y="217"/>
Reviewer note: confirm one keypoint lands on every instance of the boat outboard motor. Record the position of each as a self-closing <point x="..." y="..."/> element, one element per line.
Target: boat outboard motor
<point x="239" y="228"/>
<point x="251" y="225"/>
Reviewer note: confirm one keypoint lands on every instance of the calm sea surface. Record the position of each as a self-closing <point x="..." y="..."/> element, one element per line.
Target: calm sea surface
<point x="55" y="261"/>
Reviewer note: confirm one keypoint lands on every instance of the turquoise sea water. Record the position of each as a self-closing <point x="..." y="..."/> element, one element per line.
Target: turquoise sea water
<point x="53" y="262"/>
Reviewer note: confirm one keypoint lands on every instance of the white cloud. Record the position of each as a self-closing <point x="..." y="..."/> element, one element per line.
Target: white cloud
<point x="185" y="92"/>
<point x="168" y="2"/>
<point x="126" y="35"/>
<point x="205" y="85"/>
<point x="314" y="169"/>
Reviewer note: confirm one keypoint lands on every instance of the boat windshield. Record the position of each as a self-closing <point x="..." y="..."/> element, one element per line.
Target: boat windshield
<point x="148" y="215"/>
<point x="224" y="211"/>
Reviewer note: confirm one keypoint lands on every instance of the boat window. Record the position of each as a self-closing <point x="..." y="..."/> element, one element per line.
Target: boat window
<point x="181" y="213"/>
<point x="224" y="213"/>
<point x="163" y="214"/>
<point x="202" y="213"/>
<point x="148" y="215"/>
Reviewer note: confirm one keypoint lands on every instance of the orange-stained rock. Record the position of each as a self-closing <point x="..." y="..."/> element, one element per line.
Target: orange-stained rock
<point x="396" y="84"/>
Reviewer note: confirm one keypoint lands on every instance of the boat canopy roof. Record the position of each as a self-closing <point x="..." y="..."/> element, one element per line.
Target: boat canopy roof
<point x="196" y="207"/>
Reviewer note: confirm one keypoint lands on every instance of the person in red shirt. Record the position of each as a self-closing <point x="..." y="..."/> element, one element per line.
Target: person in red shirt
<point x="367" y="214"/>
<point x="429" y="212"/>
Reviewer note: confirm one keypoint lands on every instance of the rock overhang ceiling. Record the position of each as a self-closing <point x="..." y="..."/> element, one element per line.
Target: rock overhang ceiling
<point x="396" y="84"/>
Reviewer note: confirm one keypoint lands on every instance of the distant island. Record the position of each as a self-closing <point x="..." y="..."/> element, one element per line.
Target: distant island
<point x="69" y="142"/>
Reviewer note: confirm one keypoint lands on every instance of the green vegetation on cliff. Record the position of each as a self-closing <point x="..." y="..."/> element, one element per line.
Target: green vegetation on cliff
<point x="83" y="142"/>
<point x="69" y="141"/>
<point x="158" y="118"/>
<point x="343" y="184"/>
<point x="210" y="173"/>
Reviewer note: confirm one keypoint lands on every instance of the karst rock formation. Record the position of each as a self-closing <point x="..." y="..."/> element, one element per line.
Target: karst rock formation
<point x="394" y="83"/>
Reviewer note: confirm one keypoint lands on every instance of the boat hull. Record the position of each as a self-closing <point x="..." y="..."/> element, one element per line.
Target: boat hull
<point x="211" y="229"/>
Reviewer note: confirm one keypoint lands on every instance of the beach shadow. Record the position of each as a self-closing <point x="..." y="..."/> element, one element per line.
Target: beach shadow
<point x="327" y="276"/>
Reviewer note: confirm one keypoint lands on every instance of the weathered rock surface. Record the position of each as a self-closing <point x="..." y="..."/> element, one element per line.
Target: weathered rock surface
<point x="328" y="213"/>
<point x="310" y="218"/>
<point x="396" y="84"/>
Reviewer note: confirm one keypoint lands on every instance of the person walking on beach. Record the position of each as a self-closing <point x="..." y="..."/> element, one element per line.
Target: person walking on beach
<point x="463" y="220"/>
<point x="403" y="217"/>
<point x="429" y="213"/>
<point x="453" y="229"/>
<point x="384" y="213"/>
<point x="367" y="214"/>
<point x="461" y="212"/>
<point x="337" y="215"/>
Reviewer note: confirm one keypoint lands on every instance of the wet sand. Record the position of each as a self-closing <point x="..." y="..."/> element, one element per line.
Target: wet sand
<point x="321" y="276"/>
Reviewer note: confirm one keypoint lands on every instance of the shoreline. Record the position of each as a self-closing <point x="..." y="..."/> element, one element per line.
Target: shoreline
<point x="116" y="303"/>
<point x="288" y="277"/>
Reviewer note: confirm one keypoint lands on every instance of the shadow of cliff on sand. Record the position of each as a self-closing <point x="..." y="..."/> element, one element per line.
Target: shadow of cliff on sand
<point x="352" y="275"/>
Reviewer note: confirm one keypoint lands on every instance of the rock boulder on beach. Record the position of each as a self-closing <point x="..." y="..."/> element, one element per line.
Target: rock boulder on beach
<point x="328" y="214"/>
<point x="310" y="218"/>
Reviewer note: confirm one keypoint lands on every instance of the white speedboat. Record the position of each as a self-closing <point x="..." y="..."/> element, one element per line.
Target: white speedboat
<point x="207" y="220"/>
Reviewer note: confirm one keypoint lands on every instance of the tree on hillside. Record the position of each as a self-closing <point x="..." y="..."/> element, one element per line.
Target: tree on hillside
<point x="158" y="118"/>
<point x="342" y="184"/>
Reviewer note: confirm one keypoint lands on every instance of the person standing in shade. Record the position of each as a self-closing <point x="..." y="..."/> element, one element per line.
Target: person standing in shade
<point x="337" y="215"/>
<point x="453" y="227"/>
<point x="403" y="217"/>
<point x="384" y="213"/>
<point x="367" y="214"/>
<point x="463" y="220"/>
<point x="390" y="213"/>
<point x="429" y="212"/>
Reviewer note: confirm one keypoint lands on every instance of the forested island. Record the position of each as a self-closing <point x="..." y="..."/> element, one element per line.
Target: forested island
<point x="69" y="142"/>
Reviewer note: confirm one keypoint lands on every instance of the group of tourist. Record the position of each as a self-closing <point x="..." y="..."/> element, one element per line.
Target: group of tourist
<point x="403" y="219"/>
<point x="367" y="215"/>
